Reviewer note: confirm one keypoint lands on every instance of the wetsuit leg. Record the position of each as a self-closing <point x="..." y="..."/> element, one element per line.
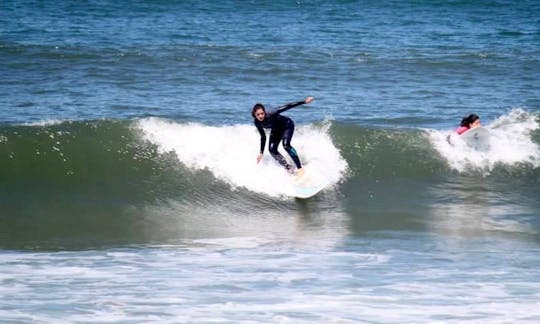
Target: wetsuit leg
<point x="275" y="138"/>
<point x="287" y="136"/>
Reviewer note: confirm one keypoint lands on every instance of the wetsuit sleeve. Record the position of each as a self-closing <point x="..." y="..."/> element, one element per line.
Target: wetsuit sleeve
<point x="263" y="135"/>
<point x="288" y="106"/>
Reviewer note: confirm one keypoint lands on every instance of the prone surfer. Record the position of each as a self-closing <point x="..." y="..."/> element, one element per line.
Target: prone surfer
<point x="281" y="129"/>
<point x="467" y="123"/>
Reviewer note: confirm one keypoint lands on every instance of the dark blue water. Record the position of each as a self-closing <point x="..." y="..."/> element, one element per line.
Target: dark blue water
<point x="129" y="190"/>
<point x="404" y="64"/>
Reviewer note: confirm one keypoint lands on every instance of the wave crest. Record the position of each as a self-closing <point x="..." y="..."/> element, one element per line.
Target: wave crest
<point x="229" y="153"/>
<point x="511" y="143"/>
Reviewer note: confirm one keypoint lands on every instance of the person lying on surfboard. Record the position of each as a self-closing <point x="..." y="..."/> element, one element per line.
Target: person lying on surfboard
<point x="467" y="123"/>
<point x="281" y="129"/>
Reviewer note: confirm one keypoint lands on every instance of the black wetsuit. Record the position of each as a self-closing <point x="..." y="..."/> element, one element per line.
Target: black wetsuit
<point x="282" y="129"/>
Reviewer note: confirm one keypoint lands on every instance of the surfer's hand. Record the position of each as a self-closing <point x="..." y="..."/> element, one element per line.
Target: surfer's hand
<point x="259" y="158"/>
<point x="309" y="99"/>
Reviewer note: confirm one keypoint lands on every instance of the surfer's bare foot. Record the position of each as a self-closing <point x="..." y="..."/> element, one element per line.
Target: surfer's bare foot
<point x="300" y="172"/>
<point x="289" y="169"/>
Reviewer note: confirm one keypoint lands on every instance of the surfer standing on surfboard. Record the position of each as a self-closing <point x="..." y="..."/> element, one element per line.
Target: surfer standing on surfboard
<point x="281" y="129"/>
<point x="467" y="123"/>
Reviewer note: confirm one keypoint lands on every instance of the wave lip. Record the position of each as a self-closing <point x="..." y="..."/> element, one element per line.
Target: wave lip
<point x="229" y="153"/>
<point x="511" y="143"/>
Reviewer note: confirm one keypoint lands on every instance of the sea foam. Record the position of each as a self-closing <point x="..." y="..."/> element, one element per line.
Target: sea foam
<point x="230" y="152"/>
<point x="511" y="143"/>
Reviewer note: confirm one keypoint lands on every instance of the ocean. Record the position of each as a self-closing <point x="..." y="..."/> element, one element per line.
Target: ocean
<point x="130" y="192"/>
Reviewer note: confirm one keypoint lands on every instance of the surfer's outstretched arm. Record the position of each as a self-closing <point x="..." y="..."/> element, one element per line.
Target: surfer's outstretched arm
<point x="288" y="106"/>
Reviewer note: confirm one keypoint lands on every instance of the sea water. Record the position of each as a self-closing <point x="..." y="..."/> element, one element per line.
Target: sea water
<point x="130" y="192"/>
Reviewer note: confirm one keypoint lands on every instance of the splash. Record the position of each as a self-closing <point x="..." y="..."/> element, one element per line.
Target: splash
<point x="230" y="152"/>
<point x="511" y="143"/>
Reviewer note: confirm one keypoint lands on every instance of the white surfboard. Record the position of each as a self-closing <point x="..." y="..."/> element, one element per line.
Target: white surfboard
<point x="477" y="138"/>
<point x="307" y="185"/>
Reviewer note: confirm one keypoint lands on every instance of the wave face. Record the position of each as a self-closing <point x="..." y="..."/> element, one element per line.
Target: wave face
<point x="116" y="182"/>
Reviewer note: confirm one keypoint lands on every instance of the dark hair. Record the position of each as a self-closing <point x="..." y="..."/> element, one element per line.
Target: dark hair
<point x="257" y="107"/>
<point x="466" y="121"/>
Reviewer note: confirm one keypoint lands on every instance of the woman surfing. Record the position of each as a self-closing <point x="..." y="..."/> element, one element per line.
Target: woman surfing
<point x="281" y="130"/>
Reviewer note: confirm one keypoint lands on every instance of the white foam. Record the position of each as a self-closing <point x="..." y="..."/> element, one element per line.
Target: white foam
<point x="48" y="122"/>
<point x="230" y="152"/>
<point x="510" y="143"/>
